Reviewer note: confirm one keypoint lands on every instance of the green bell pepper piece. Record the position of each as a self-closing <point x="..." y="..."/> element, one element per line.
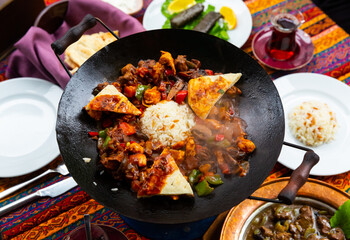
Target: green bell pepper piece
<point x="203" y="188"/>
<point x="105" y="143"/>
<point x="194" y="176"/>
<point x="102" y="133"/>
<point x="140" y="90"/>
<point x="214" y="180"/>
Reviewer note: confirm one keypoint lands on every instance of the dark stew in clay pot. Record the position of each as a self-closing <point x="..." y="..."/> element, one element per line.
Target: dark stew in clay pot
<point x="286" y="222"/>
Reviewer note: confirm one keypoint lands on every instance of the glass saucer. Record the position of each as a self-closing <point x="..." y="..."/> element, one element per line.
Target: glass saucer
<point x="302" y="57"/>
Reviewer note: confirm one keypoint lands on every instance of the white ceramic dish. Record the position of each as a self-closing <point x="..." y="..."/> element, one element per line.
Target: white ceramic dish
<point x="299" y="87"/>
<point x="130" y="7"/>
<point x="28" y="109"/>
<point x="154" y="19"/>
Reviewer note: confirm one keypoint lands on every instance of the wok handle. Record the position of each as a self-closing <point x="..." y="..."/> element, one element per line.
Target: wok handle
<point x="298" y="177"/>
<point x="74" y="34"/>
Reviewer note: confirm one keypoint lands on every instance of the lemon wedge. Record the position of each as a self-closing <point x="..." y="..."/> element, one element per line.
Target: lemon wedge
<point x="180" y="5"/>
<point x="229" y="16"/>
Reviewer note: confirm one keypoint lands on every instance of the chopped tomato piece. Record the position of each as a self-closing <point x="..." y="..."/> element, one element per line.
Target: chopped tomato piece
<point x="219" y="137"/>
<point x="162" y="86"/>
<point x="127" y="128"/>
<point x="142" y="71"/>
<point x="164" y="95"/>
<point x="198" y="147"/>
<point x="209" y="72"/>
<point x="129" y="91"/>
<point x="181" y="95"/>
<point x="231" y="111"/>
<point x="169" y="72"/>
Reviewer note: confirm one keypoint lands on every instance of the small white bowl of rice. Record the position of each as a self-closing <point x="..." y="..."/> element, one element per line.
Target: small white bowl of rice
<point x="167" y="122"/>
<point x="313" y="123"/>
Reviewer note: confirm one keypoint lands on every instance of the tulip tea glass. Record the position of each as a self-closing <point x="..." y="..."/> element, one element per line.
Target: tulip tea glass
<point x="99" y="232"/>
<point x="80" y="234"/>
<point x="285" y="22"/>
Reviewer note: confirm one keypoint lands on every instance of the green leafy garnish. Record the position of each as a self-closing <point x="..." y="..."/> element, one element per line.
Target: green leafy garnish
<point x="219" y="30"/>
<point x="165" y="11"/>
<point x="341" y="218"/>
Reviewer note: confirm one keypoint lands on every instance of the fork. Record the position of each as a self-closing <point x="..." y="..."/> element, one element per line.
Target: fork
<point x="61" y="168"/>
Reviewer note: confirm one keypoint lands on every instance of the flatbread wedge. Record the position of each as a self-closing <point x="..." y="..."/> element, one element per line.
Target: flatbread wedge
<point x="205" y="91"/>
<point x="164" y="178"/>
<point x="110" y="99"/>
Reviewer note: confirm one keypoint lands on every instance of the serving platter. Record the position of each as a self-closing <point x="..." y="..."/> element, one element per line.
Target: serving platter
<point x="260" y="107"/>
<point x="299" y="87"/>
<point x="28" y="108"/>
<point x="154" y="19"/>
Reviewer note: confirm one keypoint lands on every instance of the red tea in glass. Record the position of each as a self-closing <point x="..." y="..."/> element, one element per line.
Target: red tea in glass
<point x="282" y="45"/>
<point x="80" y="234"/>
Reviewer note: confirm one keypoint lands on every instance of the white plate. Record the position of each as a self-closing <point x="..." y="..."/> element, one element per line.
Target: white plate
<point x="28" y="110"/>
<point x="299" y="87"/>
<point x="154" y="19"/>
<point x="129" y="7"/>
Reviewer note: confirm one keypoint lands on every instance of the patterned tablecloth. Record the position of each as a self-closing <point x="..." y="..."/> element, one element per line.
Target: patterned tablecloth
<point x="53" y="218"/>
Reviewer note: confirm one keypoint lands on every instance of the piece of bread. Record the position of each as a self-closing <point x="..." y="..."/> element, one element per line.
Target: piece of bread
<point x="77" y="53"/>
<point x="205" y="91"/>
<point x="164" y="178"/>
<point x="110" y="100"/>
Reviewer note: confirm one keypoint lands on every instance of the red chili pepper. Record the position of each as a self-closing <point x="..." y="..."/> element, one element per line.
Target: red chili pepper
<point x="169" y="72"/>
<point x="219" y="137"/>
<point x="181" y="95"/>
<point x="209" y="72"/>
<point x="123" y="145"/>
<point x="164" y="95"/>
<point x="93" y="134"/>
<point x="231" y="111"/>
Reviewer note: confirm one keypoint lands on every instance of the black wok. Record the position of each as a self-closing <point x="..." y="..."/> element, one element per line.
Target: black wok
<point x="260" y="106"/>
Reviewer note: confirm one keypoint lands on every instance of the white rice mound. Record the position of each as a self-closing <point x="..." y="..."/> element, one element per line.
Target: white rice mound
<point x="313" y="123"/>
<point x="167" y="122"/>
